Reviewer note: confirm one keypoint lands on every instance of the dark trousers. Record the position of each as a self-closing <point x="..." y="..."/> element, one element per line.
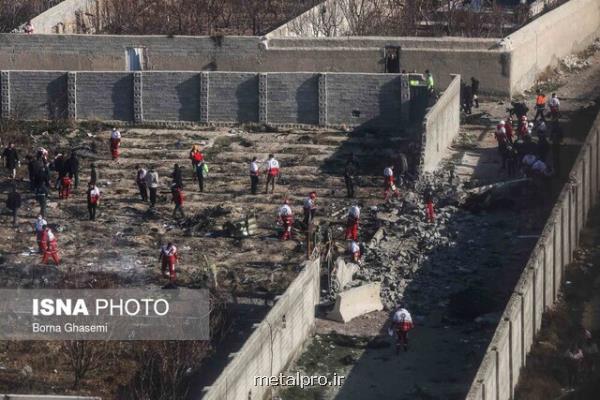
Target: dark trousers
<point x="152" y="196"/>
<point x="43" y="204"/>
<point x="143" y="191"/>
<point x="309" y="215"/>
<point x="14" y="215"/>
<point x="92" y="211"/>
<point x="401" y="340"/>
<point x="539" y="113"/>
<point x="178" y="209"/>
<point x="75" y="177"/>
<point x="253" y="183"/>
<point x="349" y="186"/>
<point x="200" y="179"/>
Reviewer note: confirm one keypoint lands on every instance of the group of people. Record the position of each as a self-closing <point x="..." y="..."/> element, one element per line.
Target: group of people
<point x="525" y="147"/>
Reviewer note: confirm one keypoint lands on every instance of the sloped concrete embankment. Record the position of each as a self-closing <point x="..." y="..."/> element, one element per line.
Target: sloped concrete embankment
<point x="540" y="282"/>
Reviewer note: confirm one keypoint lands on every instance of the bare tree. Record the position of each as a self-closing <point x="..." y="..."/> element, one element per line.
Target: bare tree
<point x="83" y="357"/>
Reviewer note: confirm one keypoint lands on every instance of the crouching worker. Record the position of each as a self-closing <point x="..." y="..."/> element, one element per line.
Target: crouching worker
<point x="49" y="246"/>
<point x="168" y="259"/>
<point x="286" y="220"/>
<point x="400" y="325"/>
<point x="355" y="252"/>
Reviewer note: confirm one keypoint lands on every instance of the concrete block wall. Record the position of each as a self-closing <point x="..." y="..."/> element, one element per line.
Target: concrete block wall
<point x="440" y="127"/>
<point x="540" y="282"/>
<point x="274" y="343"/>
<point x="354" y="100"/>
<point x="544" y="41"/>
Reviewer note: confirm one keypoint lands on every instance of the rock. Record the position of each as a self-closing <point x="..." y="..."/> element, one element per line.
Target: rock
<point x="27" y="371"/>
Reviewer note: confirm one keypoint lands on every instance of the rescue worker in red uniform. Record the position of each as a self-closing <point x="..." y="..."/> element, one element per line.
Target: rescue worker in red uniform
<point x="508" y="127"/>
<point x="401" y="324"/>
<point x="49" y="246"/>
<point x="352" y="223"/>
<point x="168" y="258"/>
<point x="40" y="222"/>
<point x="355" y="253"/>
<point x="65" y="187"/>
<point x="178" y="197"/>
<point x="523" y="127"/>
<point x="115" y="143"/>
<point x="389" y="184"/>
<point x="310" y="208"/>
<point x="428" y="198"/>
<point x="286" y="219"/>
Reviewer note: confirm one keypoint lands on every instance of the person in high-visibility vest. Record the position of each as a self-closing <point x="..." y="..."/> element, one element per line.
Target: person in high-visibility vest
<point x="429" y="80"/>
<point x="540" y="105"/>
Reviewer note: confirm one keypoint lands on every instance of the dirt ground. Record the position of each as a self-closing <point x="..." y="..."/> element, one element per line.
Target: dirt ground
<point x="121" y="247"/>
<point x="491" y="250"/>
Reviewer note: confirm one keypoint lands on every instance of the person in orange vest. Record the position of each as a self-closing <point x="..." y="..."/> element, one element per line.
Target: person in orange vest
<point x="115" y="143"/>
<point x="93" y="199"/>
<point x="310" y="208"/>
<point x="286" y="219"/>
<point x="64" y="187"/>
<point x="389" y="184"/>
<point x="49" y="246"/>
<point x="272" y="173"/>
<point x="168" y="258"/>
<point x="352" y="223"/>
<point x="540" y="105"/>
<point x="177" y="193"/>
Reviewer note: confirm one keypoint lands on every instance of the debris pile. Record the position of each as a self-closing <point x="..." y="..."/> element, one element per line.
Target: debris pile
<point x="573" y="63"/>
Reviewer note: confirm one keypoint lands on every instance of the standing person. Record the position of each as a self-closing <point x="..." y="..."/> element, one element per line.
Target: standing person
<point x="64" y="188"/>
<point x="272" y="173"/>
<point x="502" y="140"/>
<point x="168" y="258"/>
<point x="49" y="246"/>
<point x="152" y="183"/>
<point x="140" y="180"/>
<point x="401" y="323"/>
<point x="401" y="168"/>
<point x="428" y="199"/>
<point x="41" y="195"/>
<point x="177" y="176"/>
<point x="310" y="208"/>
<point x="468" y="100"/>
<point x="13" y="203"/>
<point x="388" y="183"/>
<point x="350" y="171"/>
<point x="352" y="223"/>
<point x="196" y="157"/>
<point x="429" y="81"/>
<point x="93" y="199"/>
<point x="540" y="105"/>
<point x="286" y="219"/>
<point x="93" y="174"/>
<point x="72" y="166"/>
<point x="254" y="173"/>
<point x="475" y="89"/>
<point x="508" y="129"/>
<point x="200" y="172"/>
<point x="115" y="143"/>
<point x="523" y="129"/>
<point x="60" y="166"/>
<point x="554" y="104"/>
<point x="38" y="227"/>
<point x="177" y="193"/>
<point x="11" y="160"/>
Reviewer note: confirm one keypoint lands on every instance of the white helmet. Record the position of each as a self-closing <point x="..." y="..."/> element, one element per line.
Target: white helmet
<point x="502" y="122"/>
<point x="530" y="125"/>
